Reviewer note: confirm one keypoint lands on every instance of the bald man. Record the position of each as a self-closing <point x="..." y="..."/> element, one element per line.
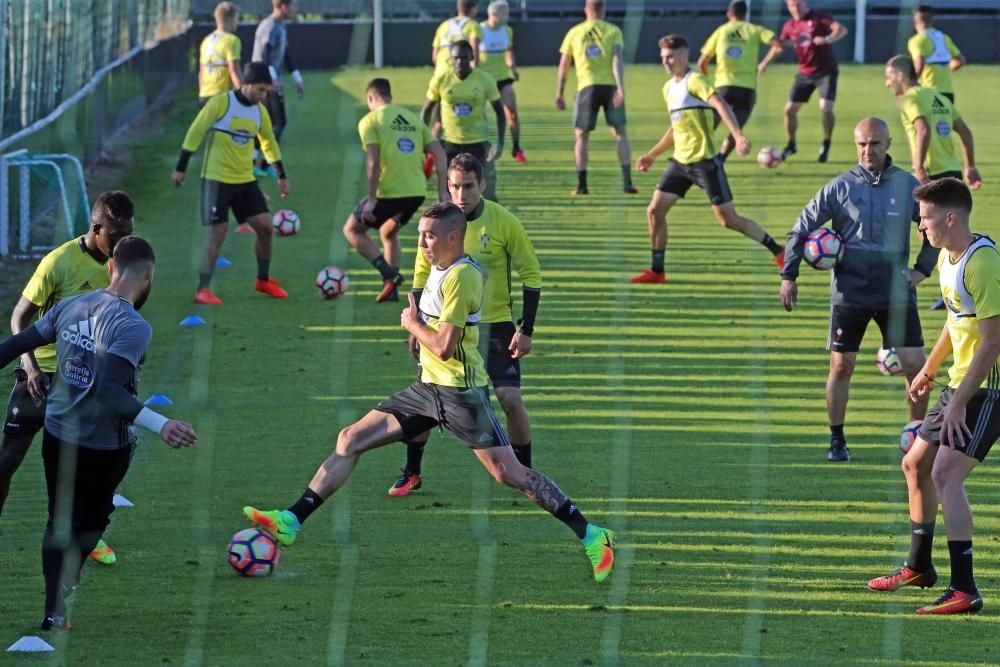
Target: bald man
<point x="871" y="206"/>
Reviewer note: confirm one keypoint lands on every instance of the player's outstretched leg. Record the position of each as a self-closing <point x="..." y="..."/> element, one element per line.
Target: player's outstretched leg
<point x="730" y="219"/>
<point x="656" y="217"/>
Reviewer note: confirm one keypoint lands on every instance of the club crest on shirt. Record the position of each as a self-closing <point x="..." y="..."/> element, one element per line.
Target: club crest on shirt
<point x="462" y="109"/>
<point x="405" y="145"/>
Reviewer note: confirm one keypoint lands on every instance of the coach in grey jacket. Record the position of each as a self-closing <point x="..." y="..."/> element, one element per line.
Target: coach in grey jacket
<point x="873" y="209"/>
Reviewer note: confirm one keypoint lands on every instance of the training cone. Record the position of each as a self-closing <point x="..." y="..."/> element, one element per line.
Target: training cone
<point x="192" y="321"/>
<point x="158" y="399"/>
<point x="121" y="501"/>
<point x="30" y="644"/>
<point x="222" y="261"/>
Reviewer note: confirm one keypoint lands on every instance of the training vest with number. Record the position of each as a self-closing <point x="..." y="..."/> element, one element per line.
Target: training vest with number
<point x="940" y="55"/>
<point x="431" y="297"/>
<point x="952" y="278"/>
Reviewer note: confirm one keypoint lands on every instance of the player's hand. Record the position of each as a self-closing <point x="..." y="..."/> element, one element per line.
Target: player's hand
<point x="914" y="277"/>
<point x="301" y="90"/>
<point x="618" y="98"/>
<point x="789" y="294"/>
<point x="644" y="162"/>
<point x="820" y="41"/>
<point x="37" y="385"/>
<point x="742" y="145"/>
<point x="520" y="345"/>
<point x="496" y="151"/>
<point x="954" y="431"/>
<point x="177" y="178"/>
<point x="178" y="434"/>
<point x="410" y="316"/>
<point x="760" y="69"/>
<point x="973" y="178"/>
<point x="560" y="102"/>
<point x="920" y="386"/>
<point x="921" y="174"/>
<point x="414" y="346"/>
<point x="283" y="186"/>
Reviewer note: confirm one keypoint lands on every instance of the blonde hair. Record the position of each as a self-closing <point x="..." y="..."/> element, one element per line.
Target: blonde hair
<point x="226" y="12"/>
<point x="499" y="8"/>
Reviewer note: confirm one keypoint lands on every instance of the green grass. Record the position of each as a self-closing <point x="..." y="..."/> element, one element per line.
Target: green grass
<point x="689" y="417"/>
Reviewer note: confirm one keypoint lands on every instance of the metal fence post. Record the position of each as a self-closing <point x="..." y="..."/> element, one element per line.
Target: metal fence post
<point x="860" y="18"/>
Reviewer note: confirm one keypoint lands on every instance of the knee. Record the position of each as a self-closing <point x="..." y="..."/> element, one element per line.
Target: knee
<point x="791" y="110"/>
<point x="730" y="220"/>
<point x="944" y="479"/>
<point x="505" y="476"/>
<point x="911" y="469"/>
<point x="841" y="370"/>
<point x="345" y="441"/>
<point x="510" y="403"/>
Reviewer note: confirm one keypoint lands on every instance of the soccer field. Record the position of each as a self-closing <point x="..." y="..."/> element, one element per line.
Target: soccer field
<point x="688" y="417"/>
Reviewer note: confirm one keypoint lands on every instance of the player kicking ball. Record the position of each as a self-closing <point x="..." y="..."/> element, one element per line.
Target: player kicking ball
<point x="451" y="392"/>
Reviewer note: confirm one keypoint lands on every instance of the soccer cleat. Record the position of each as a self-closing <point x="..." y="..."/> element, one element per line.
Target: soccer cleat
<point x="282" y="524"/>
<point x="428" y="166"/>
<point x="518" y="156"/>
<point x="405" y="485"/>
<point x="631" y="190"/>
<point x="579" y="191"/>
<point x="205" y="296"/>
<point x="243" y="228"/>
<point x="599" y="543"/>
<point x="271" y="287"/>
<point x="824" y="153"/>
<point x="649" y="276"/>
<point x="954" y="602"/>
<point x="788" y="151"/>
<point x="779" y="259"/>
<point x="103" y="554"/>
<point x="904" y="575"/>
<point x="838" y="451"/>
<point x="389" y="287"/>
<point x="55" y="623"/>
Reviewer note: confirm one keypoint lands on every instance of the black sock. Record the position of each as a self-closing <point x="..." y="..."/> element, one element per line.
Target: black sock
<point x="791" y="145"/>
<point x="52" y="562"/>
<point x="384" y="268"/>
<point x="204" y="280"/>
<point x="921" y="541"/>
<point x="659" y="257"/>
<point x="837" y="432"/>
<point x="571" y="516"/>
<point x="414" y="455"/>
<point x="627" y="175"/>
<point x="581" y="179"/>
<point x="263" y="269"/>
<point x="961" y="565"/>
<point x="306" y="505"/>
<point x="826" y="143"/>
<point x="523" y="454"/>
<point x="771" y="245"/>
<point x="517" y="146"/>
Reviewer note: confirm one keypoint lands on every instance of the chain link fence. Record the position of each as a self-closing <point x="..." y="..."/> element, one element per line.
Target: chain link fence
<point x="49" y="49"/>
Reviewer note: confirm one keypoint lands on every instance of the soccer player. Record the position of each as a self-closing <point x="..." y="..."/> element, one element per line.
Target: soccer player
<point x="462" y="94"/>
<point x="496" y="239"/>
<point x="395" y="141"/>
<point x="810" y="33"/>
<point x="496" y="58"/>
<point x="928" y="118"/>
<point x="595" y="48"/>
<point x="270" y="46"/>
<point x="934" y="54"/>
<point x="872" y="208"/>
<point x="462" y="27"/>
<point x="964" y="423"/>
<point x="231" y="120"/>
<point x="219" y="61"/>
<point x="74" y="268"/>
<point x="692" y="101"/>
<point x="451" y="393"/>
<point x="89" y="439"/>
<point x="735" y="46"/>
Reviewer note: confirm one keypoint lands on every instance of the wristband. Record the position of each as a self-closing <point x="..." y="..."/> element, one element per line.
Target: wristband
<point x="151" y="421"/>
<point x="297" y="77"/>
<point x="274" y="72"/>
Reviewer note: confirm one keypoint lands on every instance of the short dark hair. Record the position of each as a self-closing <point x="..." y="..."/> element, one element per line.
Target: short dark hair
<point x="256" y="72"/>
<point x="112" y="208"/>
<point x="903" y="64"/>
<point x="380" y="87"/>
<point x="924" y="13"/>
<point x="467" y="163"/>
<point x="468" y="5"/>
<point x="673" y="42"/>
<point x="739" y="9"/>
<point x="447" y="213"/>
<point x="945" y="193"/>
<point x="132" y="252"/>
<point x="461" y="44"/>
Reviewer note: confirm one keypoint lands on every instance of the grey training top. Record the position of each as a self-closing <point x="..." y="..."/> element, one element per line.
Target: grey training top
<point x="86" y="329"/>
<point x="874" y="213"/>
<point x="270" y="44"/>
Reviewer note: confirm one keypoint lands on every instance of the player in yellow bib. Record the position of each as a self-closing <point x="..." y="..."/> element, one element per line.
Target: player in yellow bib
<point x="595" y="48"/>
<point x="496" y="58"/>
<point x="231" y="121"/>
<point x="219" y="55"/>
<point x="934" y="54"/>
<point x="76" y="267"/>
<point x="692" y="102"/>
<point x="462" y="27"/>
<point x="395" y="142"/>
<point x="963" y="425"/>
<point x="735" y="46"/>
<point x="451" y="393"/>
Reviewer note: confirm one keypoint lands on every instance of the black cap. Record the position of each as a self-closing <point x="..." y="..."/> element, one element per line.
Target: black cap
<point x="256" y="72"/>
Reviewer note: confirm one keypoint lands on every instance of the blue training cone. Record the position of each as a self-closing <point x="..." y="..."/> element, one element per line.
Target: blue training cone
<point x="222" y="261"/>
<point x="192" y="321"/>
<point x="158" y="399"/>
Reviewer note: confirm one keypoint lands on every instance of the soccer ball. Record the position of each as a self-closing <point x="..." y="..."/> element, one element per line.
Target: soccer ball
<point x="253" y="552"/>
<point x="824" y="248"/>
<point x="286" y="222"/>
<point x="768" y="157"/>
<point x="888" y="361"/>
<point x="332" y="282"/>
<point x="909" y="434"/>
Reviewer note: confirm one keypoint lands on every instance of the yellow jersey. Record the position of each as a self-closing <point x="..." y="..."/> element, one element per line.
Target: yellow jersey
<point x="215" y="54"/>
<point x="937" y="50"/>
<point x="401" y="138"/>
<point x="67" y="271"/>
<point x="463" y="105"/>
<point x="454" y="295"/>
<point x="453" y="30"/>
<point x="498" y="242"/>
<point x="736" y="47"/>
<point x="231" y="126"/>
<point x="940" y="115"/>
<point x="592" y="44"/>
<point x="691" y="116"/>
<point x="970" y="288"/>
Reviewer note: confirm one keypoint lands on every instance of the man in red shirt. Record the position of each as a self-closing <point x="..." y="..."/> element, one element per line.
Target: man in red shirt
<point x="810" y="33"/>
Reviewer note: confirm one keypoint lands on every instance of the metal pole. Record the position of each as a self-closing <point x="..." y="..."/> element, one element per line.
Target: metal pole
<point x="379" y="62"/>
<point x="860" y="18"/>
<point x="3" y="68"/>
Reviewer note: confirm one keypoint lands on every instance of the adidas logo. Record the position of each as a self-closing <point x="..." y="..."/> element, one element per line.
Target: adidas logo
<point x="85" y="287"/>
<point x="400" y="124"/>
<point x="937" y="103"/>
<point x="81" y="334"/>
<point x="736" y="36"/>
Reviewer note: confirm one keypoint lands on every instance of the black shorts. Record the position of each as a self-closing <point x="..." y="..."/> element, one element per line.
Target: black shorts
<point x="504" y="371"/>
<point x="805" y="84"/>
<point x="245" y="199"/>
<point x="982" y="416"/>
<point x="740" y="99"/>
<point x="946" y="174"/>
<point x="708" y="175"/>
<point x="401" y="209"/>
<point x="900" y="327"/>
<point x="592" y="99"/>
<point x="503" y="83"/>
<point x="24" y="416"/>
<point x="465" y="412"/>
<point x="479" y="150"/>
